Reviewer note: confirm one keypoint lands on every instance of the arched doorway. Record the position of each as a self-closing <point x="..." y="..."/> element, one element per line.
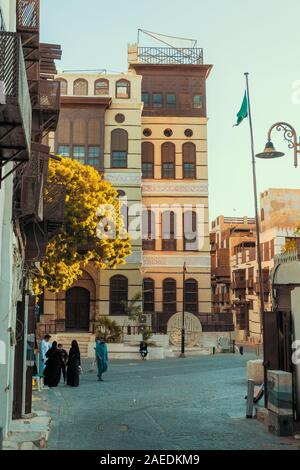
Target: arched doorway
<point x="77" y="309"/>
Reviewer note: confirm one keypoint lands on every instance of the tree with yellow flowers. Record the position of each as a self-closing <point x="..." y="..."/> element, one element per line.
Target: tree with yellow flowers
<point x="93" y="230"/>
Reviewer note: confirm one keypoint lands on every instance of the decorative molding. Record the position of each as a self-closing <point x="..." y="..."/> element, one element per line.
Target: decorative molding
<point x="124" y="178"/>
<point x="177" y="187"/>
<point x="197" y="261"/>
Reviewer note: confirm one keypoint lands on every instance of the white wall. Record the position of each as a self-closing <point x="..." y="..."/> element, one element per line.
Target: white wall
<point x="296" y="321"/>
<point x="8" y="269"/>
<point x="8" y="8"/>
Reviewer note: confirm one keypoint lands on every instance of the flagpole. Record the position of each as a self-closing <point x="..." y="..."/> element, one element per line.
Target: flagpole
<point x="182" y="353"/>
<point x="259" y="262"/>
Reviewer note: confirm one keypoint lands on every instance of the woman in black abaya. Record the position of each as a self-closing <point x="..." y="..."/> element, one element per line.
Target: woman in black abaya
<point x="74" y="365"/>
<point x="52" y="370"/>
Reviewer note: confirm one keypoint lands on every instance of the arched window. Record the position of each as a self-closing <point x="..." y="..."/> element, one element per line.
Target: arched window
<point x="80" y="87"/>
<point x="118" y="293"/>
<point x="168" y="223"/>
<point x="198" y="102"/>
<point x="119" y="148"/>
<point x="63" y="86"/>
<point x="123" y="207"/>
<point x="191" y="296"/>
<point x="190" y="231"/>
<point x="189" y="160"/>
<point x="148" y="230"/>
<point x="168" y="160"/>
<point x="149" y="295"/>
<point x="123" y="89"/>
<point x="169" y="296"/>
<point x="101" y="87"/>
<point x="262" y="215"/>
<point x="148" y="160"/>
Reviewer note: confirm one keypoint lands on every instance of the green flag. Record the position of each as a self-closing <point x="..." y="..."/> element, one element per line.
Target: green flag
<point x="243" y="112"/>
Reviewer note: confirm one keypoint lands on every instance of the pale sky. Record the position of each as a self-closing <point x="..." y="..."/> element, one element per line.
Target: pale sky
<point x="260" y="37"/>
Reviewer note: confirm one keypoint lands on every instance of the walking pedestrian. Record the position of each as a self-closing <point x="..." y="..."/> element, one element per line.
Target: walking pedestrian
<point x="101" y="357"/>
<point x="73" y="365"/>
<point x="52" y="370"/>
<point x="64" y="359"/>
<point x="43" y="349"/>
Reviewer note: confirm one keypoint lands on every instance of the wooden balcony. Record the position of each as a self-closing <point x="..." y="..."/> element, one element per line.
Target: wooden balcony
<point x="38" y="234"/>
<point x="28" y="25"/>
<point x="29" y="184"/>
<point x="15" y="111"/>
<point x="239" y="284"/>
<point x="49" y="105"/>
<point x="28" y="15"/>
<point x="49" y="53"/>
<point x="54" y="207"/>
<point x="221" y="272"/>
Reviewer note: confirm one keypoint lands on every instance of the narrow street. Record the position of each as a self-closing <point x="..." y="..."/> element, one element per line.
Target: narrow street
<point x="176" y="404"/>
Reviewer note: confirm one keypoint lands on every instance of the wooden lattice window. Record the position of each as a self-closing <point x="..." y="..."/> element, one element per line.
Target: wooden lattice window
<point x="80" y="87"/>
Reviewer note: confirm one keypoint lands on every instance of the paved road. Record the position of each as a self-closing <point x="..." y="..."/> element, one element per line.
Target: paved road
<point x="189" y="404"/>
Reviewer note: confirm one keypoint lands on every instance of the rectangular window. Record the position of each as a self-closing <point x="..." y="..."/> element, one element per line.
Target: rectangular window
<point x="189" y="170"/>
<point x="119" y="159"/>
<point x="147" y="169"/>
<point x="171" y="101"/>
<point x="146" y="99"/>
<point x="198" y="102"/>
<point x="94" y="156"/>
<point x="63" y="150"/>
<point x="168" y="171"/>
<point x="157" y="100"/>
<point x="79" y="153"/>
<point x="148" y="230"/>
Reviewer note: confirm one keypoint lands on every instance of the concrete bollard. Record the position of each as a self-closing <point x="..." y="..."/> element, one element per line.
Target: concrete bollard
<point x="280" y="402"/>
<point x="250" y="399"/>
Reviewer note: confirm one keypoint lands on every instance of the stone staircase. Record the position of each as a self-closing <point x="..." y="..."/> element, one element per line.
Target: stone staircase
<point x="85" y="341"/>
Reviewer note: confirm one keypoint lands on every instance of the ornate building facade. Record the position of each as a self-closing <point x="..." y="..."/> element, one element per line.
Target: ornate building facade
<point x="146" y="132"/>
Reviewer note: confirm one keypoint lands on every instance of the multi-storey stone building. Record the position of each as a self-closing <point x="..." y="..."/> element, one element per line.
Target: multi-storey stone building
<point x="279" y="217"/>
<point x="228" y="235"/>
<point x="146" y="132"/>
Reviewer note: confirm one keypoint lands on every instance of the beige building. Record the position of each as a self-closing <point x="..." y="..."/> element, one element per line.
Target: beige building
<point x="279" y="217"/>
<point x="227" y="236"/>
<point x="146" y="131"/>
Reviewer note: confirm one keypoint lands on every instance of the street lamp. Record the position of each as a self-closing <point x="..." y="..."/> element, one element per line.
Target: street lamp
<point x="182" y="354"/>
<point x="289" y="135"/>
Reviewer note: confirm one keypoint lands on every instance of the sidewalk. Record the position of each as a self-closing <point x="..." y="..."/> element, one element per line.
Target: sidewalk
<point x="31" y="433"/>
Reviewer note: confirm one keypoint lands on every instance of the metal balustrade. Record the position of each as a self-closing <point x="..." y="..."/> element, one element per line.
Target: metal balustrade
<point x="170" y="55"/>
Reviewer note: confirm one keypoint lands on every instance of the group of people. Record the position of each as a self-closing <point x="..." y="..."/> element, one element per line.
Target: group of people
<point x="54" y="361"/>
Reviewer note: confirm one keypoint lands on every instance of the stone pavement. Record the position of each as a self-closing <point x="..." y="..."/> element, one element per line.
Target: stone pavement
<point x="177" y="404"/>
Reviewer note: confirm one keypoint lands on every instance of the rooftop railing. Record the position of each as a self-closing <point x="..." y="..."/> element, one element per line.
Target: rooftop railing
<point x="170" y="55"/>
